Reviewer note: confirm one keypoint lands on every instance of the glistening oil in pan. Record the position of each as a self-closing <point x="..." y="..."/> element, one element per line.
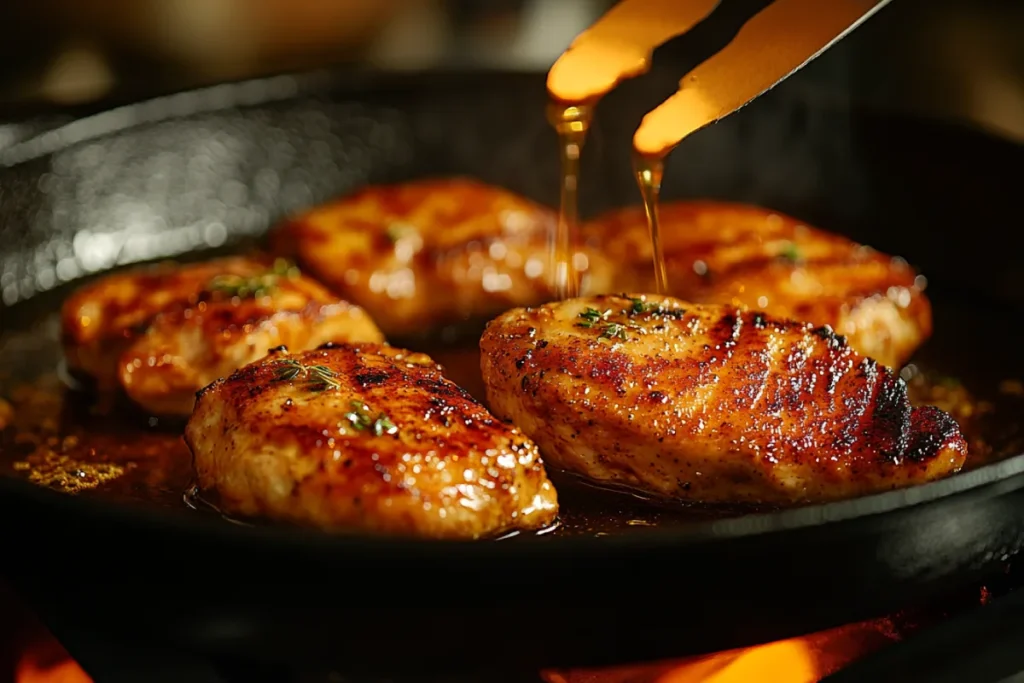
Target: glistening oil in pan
<point x="201" y="502"/>
<point x="68" y="441"/>
<point x="206" y="503"/>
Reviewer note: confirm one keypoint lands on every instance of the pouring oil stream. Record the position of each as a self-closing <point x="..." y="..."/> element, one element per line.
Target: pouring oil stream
<point x="618" y="46"/>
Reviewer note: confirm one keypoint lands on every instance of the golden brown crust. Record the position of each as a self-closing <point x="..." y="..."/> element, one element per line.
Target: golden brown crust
<point x="709" y="403"/>
<point x="163" y="332"/>
<point x="415" y="455"/>
<point x="724" y="253"/>
<point x="430" y="253"/>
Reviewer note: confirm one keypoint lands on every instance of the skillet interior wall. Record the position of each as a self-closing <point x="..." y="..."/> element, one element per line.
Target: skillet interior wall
<point x="199" y="170"/>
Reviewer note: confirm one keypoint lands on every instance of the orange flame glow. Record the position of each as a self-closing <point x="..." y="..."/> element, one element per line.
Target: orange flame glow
<point x="788" y="661"/>
<point x="797" y="660"/>
<point x="68" y="671"/>
<point x="45" y="661"/>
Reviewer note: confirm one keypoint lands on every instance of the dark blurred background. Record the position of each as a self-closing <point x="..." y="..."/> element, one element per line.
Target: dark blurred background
<point x="947" y="58"/>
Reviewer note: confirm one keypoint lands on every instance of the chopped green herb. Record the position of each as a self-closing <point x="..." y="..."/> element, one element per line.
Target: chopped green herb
<point x="285" y="268"/>
<point x="613" y="331"/>
<point x="589" y="316"/>
<point x="255" y="286"/>
<point x="791" y="253"/>
<point x="322" y="378"/>
<point x="288" y="369"/>
<point x="318" y="377"/>
<point x="640" y="306"/>
<point x="242" y="287"/>
<point x="360" y="417"/>
<point x="383" y="425"/>
<point x="397" y="231"/>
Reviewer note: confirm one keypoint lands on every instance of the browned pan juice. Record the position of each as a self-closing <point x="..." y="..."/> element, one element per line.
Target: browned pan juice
<point x="70" y="441"/>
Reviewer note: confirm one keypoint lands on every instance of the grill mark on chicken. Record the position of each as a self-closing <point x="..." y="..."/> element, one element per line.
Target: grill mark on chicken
<point x="718" y="404"/>
<point x="275" y="448"/>
<point x="371" y="378"/>
<point x="932" y="428"/>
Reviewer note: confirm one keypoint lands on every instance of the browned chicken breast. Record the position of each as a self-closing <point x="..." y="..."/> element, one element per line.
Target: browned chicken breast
<point x="163" y="332"/>
<point x="743" y="255"/>
<point x="365" y="438"/>
<point x="709" y="402"/>
<point x="426" y="254"/>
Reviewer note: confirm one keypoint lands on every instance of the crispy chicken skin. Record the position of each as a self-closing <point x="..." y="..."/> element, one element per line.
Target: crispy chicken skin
<point x="163" y="332"/>
<point x="365" y="438"/>
<point x="742" y="255"/>
<point x="430" y="253"/>
<point x="709" y="402"/>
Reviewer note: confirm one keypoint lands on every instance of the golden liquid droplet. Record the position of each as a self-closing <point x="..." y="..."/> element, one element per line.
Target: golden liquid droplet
<point x="649" y="171"/>
<point x="571" y="123"/>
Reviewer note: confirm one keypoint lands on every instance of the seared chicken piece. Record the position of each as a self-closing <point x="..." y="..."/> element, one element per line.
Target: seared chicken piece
<point x="430" y="253"/>
<point x="365" y="438"/>
<point x="743" y="255"/>
<point x="163" y="332"/>
<point x="709" y="402"/>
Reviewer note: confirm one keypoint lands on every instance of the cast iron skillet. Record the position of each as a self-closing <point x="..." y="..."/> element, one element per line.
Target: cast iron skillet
<point x="180" y="174"/>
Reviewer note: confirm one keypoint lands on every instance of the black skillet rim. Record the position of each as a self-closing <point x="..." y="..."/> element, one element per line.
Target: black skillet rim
<point x="990" y="480"/>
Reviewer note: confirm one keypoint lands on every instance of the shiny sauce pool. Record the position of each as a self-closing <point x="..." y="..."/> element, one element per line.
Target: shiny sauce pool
<point x="71" y="441"/>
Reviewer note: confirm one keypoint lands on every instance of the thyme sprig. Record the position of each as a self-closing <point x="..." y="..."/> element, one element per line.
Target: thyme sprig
<point x="656" y="310"/>
<point x="362" y="419"/>
<point x="640" y="306"/>
<point x="590" y="316"/>
<point x="255" y="286"/>
<point x="791" y="252"/>
<point x="613" y="331"/>
<point x="317" y="377"/>
<point x="322" y="378"/>
<point x="610" y="329"/>
<point x="398" y="231"/>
